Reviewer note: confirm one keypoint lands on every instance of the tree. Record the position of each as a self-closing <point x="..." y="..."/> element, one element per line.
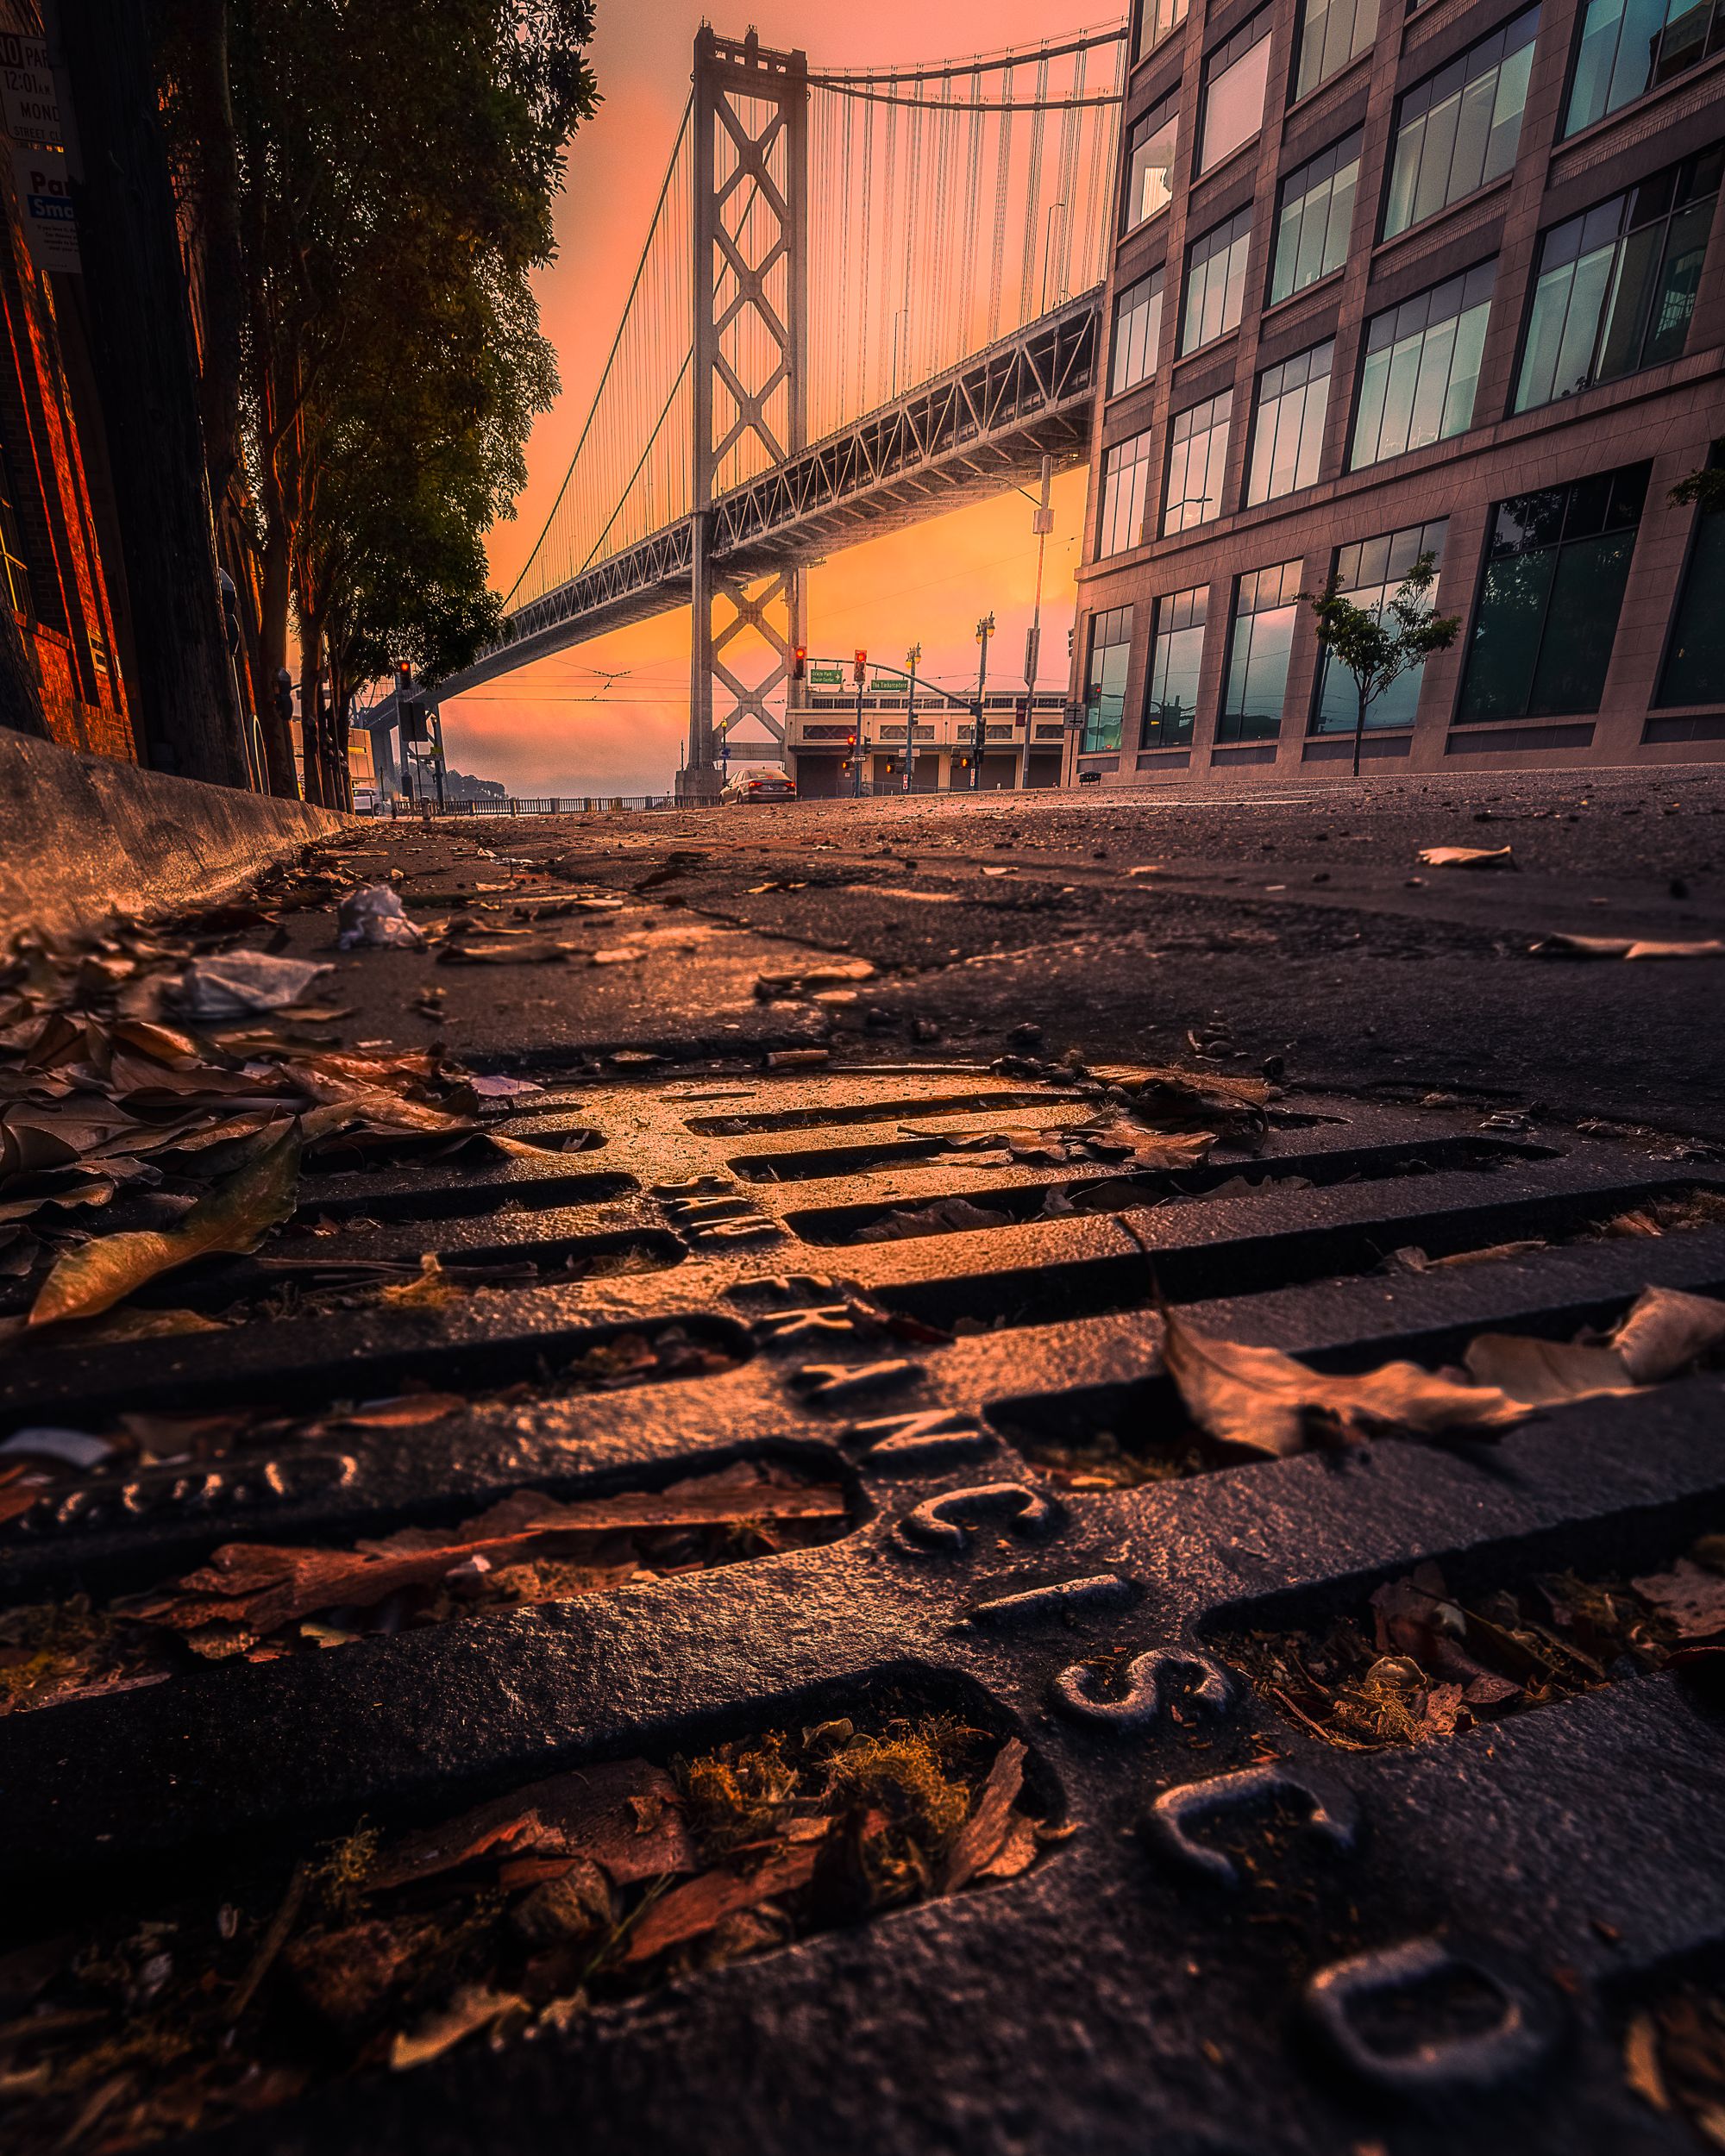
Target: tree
<point x="1376" y="645"/>
<point x="392" y="179"/>
<point x="1705" y="487"/>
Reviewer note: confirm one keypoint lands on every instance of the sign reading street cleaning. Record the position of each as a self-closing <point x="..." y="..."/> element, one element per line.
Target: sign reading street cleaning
<point x="28" y="100"/>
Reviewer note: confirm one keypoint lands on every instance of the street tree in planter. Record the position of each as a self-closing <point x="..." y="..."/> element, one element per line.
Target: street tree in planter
<point x="1376" y="645"/>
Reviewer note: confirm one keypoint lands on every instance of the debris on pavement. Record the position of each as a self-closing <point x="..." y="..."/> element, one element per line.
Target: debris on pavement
<point x="380" y="1952"/>
<point x="262" y="1602"/>
<point x="1625" y="947"/>
<point x="241" y="983"/>
<point x="374" y="915"/>
<point x="1468" y="856"/>
<point x="1423" y="1662"/>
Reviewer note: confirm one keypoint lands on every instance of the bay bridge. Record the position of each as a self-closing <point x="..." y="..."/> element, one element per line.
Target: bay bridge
<point x="864" y="298"/>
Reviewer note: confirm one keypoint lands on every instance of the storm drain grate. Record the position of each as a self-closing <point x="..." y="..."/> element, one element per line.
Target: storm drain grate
<point x="1366" y="1803"/>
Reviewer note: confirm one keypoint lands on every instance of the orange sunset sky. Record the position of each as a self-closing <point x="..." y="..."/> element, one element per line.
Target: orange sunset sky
<point x="610" y="716"/>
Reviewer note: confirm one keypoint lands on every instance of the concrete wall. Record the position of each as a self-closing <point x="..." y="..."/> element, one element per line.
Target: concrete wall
<point x="81" y="838"/>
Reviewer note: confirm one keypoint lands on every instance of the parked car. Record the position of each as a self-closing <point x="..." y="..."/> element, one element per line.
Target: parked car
<point x="760" y="782"/>
<point x="366" y="802"/>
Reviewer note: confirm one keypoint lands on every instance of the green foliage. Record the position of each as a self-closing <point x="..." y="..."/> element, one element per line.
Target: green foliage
<point x="1377" y="645"/>
<point x="1705" y="487"/>
<point x="398" y="164"/>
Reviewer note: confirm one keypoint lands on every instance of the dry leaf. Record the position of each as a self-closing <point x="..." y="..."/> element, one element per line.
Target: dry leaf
<point x="1689" y="1596"/>
<point x="1642" y="2061"/>
<point x="1546" y="1373"/>
<point x="1675" y="951"/>
<point x="235" y="1216"/>
<point x="980" y="1840"/>
<point x="472" y="2008"/>
<point x="1468" y="856"/>
<point x="1666" y="1331"/>
<point x="694" y="1908"/>
<point x="1259" y="1397"/>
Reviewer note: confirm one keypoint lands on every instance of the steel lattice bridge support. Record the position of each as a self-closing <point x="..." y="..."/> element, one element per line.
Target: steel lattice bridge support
<point x="978" y="428"/>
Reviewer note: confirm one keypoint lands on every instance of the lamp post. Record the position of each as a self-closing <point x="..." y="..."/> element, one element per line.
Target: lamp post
<point x="911" y="659"/>
<point x="1041" y="524"/>
<point x="985" y="629"/>
<point x="861" y="665"/>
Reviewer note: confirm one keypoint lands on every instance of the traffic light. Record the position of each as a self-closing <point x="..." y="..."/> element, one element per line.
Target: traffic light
<point x="860" y="668"/>
<point x="799" y="663"/>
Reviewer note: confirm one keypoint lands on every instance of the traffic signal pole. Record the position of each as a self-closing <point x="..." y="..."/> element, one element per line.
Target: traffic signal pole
<point x="911" y="659"/>
<point x="985" y="629"/>
<point x="862" y="668"/>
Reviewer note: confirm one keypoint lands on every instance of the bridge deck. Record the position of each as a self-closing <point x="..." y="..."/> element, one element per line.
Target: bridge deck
<point x="975" y="430"/>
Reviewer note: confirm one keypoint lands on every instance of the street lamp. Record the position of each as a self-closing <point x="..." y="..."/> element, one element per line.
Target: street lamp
<point x="985" y="629"/>
<point x="911" y="659"/>
<point x="1041" y="524"/>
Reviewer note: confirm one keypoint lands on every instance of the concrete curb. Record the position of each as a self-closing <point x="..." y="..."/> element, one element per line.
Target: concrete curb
<point x="81" y="838"/>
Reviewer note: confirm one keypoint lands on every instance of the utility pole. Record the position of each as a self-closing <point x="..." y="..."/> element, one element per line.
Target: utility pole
<point x="911" y="659"/>
<point x="861" y="665"/>
<point x="985" y="629"/>
<point x="1041" y="524"/>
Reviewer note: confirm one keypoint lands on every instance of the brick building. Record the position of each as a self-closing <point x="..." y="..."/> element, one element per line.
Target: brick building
<point x="1392" y="279"/>
<point x="58" y="545"/>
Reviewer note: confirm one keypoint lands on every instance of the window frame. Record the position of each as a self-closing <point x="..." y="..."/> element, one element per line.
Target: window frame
<point x="1167" y="600"/>
<point x="1460" y="716"/>
<point x="1355" y="134"/>
<point x="1141" y="52"/>
<point x="1165" y="530"/>
<point x="1229" y="223"/>
<point x="1288" y="602"/>
<point x="1094" y="642"/>
<point x="1460" y="276"/>
<point x="1314" y="729"/>
<point x="1565" y="132"/>
<point x="1159" y="297"/>
<point x="1524" y="340"/>
<point x="1143" y="441"/>
<point x="1297" y="95"/>
<point x="1165" y="111"/>
<point x="1657" y="701"/>
<point x="1248" y="499"/>
<point x="1202" y="163"/>
<point x="1397" y="123"/>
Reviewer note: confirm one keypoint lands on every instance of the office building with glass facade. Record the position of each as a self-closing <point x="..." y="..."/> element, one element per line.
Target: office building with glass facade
<point x="1393" y="283"/>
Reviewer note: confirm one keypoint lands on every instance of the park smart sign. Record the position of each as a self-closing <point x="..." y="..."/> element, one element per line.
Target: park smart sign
<point x="30" y="104"/>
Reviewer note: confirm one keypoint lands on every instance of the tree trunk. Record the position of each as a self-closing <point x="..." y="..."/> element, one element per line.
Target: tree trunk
<point x="1358" y="732"/>
<point x="147" y="376"/>
<point x="310" y="714"/>
<point x="20" y="692"/>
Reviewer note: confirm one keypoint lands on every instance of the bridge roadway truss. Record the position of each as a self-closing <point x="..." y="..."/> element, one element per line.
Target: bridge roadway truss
<point x="975" y="430"/>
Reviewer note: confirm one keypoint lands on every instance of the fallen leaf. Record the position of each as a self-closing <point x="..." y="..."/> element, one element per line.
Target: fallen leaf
<point x="1582" y="947"/>
<point x="979" y="1840"/>
<point x="411" y="1412"/>
<point x="1642" y="2061"/>
<point x="472" y="2008"/>
<point x="1468" y="856"/>
<point x="1666" y="1331"/>
<point x="1689" y="1596"/>
<point x="234" y="1217"/>
<point x="431" y="1290"/>
<point x="1258" y="1396"/>
<point x="1675" y="951"/>
<point x="1148" y="1150"/>
<point x="623" y="1815"/>
<point x="501" y="953"/>
<point x="694" y="1908"/>
<point x="947" y="1216"/>
<point x="1546" y="1373"/>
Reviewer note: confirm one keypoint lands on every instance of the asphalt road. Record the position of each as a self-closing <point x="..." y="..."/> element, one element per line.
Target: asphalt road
<point x="1302" y="926"/>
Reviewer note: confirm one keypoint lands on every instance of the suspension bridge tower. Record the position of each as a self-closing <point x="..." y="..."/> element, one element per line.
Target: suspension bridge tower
<point x="750" y="361"/>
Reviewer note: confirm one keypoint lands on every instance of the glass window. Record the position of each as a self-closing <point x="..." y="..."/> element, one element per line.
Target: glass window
<point x="1459" y="128"/>
<point x="1694" y="670"/>
<point x="1332" y="33"/>
<point x="1215" y="281"/>
<point x="1370" y="572"/>
<point x="1556" y="565"/>
<point x="1265" y="605"/>
<point x="1197" y="455"/>
<point x="1149" y="161"/>
<point x="1138" y="328"/>
<point x="1125" y="479"/>
<point x="1158" y="19"/>
<point x="1288" y="426"/>
<point x="1236" y="80"/>
<point x="1105" y="679"/>
<point x="1631" y="46"/>
<point x="1421" y="368"/>
<point x="1616" y="285"/>
<point x="1177" y="652"/>
<point x="1316" y="215"/>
